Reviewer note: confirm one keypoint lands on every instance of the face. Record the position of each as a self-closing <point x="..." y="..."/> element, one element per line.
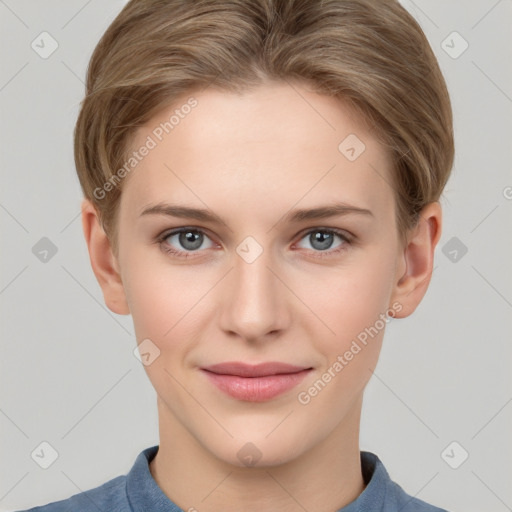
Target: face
<point x="258" y="282"/>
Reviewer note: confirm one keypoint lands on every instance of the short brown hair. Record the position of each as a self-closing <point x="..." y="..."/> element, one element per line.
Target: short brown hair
<point x="371" y="54"/>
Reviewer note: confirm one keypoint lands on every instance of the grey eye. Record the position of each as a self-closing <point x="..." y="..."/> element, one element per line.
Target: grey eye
<point x="322" y="239"/>
<point x="188" y="239"/>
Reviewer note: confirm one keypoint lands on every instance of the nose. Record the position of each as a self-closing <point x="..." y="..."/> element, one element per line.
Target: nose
<point x="254" y="299"/>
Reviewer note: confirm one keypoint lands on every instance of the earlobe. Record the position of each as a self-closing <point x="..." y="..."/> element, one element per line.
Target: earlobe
<point x="418" y="259"/>
<point x="103" y="262"/>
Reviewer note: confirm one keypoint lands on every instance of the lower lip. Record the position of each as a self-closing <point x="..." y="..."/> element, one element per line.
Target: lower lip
<point x="256" y="389"/>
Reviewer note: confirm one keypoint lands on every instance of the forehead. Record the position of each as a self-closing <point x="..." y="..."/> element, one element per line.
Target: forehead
<point x="275" y="145"/>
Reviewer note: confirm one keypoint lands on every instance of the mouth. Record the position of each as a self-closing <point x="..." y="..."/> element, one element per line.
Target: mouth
<point x="255" y="383"/>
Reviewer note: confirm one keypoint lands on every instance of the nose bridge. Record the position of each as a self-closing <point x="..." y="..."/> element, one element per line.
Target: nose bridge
<point x="255" y="305"/>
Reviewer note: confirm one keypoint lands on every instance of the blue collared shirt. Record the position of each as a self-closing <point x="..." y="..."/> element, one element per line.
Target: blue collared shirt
<point x="137" y="491"/>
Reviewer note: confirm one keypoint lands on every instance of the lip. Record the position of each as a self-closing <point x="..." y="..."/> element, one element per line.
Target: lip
<point x="254" y="370"/>
<point x="255" y="383"/>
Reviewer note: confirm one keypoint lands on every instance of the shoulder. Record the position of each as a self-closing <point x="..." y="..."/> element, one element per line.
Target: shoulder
<point x="384" y="494"/>
<point x="116" y="495"/>
<point x="408" y="503"/>
<point x="109" y="496"/>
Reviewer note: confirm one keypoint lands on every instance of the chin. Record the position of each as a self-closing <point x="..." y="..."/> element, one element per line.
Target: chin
<point x="258" y="451"/>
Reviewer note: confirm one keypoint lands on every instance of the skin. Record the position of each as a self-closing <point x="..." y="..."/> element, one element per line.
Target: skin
<point x="250" y="159"/>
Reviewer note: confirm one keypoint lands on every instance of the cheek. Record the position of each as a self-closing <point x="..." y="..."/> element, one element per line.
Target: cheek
<point x="354" y="307"/>
<point x="163" y="305"/>
<point x="358" y="293"/>
<point x="161" y="300"/>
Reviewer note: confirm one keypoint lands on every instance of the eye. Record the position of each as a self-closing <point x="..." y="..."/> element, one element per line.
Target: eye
<point x="186" y="240"/>
<point x="321" y="240"/>
<point x="190" y="240"/>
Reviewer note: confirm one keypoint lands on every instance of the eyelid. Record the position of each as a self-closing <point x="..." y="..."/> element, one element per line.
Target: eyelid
<point x="347" y="238"/>
<point x="176" y="231"/>
<point x="343" y="233"/>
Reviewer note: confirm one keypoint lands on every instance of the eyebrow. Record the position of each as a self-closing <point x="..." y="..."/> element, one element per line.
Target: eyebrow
<point x="294" y="216"/>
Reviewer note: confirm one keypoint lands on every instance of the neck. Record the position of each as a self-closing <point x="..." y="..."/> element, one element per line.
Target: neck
<point x="323" y="478"/>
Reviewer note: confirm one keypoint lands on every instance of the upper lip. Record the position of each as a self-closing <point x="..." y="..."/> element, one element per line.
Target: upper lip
<point x="258" y="370"/>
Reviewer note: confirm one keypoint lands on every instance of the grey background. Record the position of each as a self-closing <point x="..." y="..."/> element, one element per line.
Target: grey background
<point x="68" y="374"/>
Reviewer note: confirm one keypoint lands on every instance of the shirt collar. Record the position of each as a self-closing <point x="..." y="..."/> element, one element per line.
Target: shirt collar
<point x="144" y="493"/>
<point x="373" y="498"/>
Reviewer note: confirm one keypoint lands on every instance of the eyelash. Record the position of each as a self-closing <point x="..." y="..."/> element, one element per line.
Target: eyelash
<point x="161" y="240"/>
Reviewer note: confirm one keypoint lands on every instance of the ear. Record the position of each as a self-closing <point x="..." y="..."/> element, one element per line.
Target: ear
<point x="414" y="268"/>
<point x="103" y="262"/>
